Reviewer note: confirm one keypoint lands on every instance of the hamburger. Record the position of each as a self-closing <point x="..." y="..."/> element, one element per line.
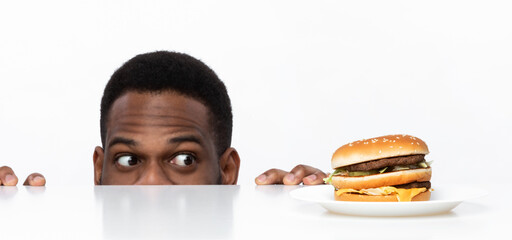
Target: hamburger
<point x="383" y="169"/>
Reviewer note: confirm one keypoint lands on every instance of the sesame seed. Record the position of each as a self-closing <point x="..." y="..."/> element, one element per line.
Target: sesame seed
<point x="390" y="146"/>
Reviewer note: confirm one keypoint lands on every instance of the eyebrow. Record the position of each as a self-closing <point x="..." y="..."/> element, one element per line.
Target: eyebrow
<point x="122" y="140"/>
<point x="187" y="138"/>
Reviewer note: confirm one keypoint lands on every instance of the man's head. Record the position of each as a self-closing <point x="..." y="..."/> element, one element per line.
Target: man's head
<point x="165" y="119"/>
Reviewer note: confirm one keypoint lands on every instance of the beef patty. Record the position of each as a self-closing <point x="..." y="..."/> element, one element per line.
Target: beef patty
<point x="386" y="162"/>
<point x="414" y="185"/>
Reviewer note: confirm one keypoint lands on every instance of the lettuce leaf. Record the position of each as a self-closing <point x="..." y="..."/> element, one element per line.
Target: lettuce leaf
<point x="329" y="179"/>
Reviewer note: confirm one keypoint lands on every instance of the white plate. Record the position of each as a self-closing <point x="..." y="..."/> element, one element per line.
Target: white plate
<point x="443" y="199"/>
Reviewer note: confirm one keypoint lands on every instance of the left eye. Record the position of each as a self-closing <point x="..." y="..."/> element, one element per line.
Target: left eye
<point x="183" y="160"/>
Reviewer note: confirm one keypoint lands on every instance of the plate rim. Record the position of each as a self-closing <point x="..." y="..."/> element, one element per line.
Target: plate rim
<point x="293" y="194"/>
<point x="405" y="209"/>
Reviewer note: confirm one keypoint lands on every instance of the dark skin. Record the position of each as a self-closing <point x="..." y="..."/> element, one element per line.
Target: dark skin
<point x="166" y="139"/>
<point x="299" y="174"/>
<point x="8" y="178"/>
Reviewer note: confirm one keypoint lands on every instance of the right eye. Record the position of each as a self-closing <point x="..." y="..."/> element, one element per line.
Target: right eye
<point x="127" y="161"/>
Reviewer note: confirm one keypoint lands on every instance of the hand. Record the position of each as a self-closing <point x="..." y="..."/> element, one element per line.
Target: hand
<point x="299" y="174"/>
<point x="8" y="178"/>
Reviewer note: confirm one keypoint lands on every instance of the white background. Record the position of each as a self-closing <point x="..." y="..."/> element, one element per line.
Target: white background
<point x="305" y="77"/>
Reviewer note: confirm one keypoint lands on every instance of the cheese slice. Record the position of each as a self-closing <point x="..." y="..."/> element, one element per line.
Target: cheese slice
<point x="404" y="195"/>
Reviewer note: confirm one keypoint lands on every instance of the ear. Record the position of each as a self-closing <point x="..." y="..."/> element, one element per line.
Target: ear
<point x="97" y="159"/>
<point x="229" y="166"/>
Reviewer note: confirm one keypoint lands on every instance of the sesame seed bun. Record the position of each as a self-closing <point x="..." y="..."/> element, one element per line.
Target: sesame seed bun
<point x="424" y="196"/>
<point x="377" y="148"/>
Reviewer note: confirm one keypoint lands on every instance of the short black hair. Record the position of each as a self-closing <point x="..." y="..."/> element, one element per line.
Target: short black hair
<point x="160" y="71"/>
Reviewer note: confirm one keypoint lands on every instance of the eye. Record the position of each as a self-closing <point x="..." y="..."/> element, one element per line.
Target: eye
<point x="127" y="161"/>
<point x="183" y="159"/>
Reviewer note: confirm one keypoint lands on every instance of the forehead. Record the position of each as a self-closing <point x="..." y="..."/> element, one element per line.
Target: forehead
<point x="157" y="112"/>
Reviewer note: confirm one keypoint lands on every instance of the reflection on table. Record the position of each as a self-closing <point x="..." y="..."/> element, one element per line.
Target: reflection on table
<point x="157" y="212"/>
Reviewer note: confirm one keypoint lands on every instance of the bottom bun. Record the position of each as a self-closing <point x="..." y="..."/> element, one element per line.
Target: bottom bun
<point x="424" y="196"/>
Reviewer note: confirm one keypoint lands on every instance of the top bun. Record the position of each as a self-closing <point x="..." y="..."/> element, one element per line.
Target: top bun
<point x="377" y="148"/>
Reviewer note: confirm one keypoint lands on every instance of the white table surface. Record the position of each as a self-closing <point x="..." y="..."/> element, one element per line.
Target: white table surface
<point x="226" y="212"/>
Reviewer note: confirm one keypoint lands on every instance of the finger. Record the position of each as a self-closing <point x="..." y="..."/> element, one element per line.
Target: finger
<point x="7" y="177"/>
<point x="35" y="179"/>
<point x="272" y="176"/>
<point x="315" y="178"/>
<point x="298" y="173"/>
